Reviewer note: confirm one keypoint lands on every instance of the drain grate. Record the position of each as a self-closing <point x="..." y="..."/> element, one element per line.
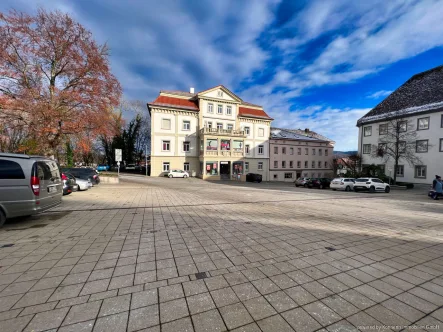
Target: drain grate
<point x="330" y="248"/>
<point x="201" y="275"/>
<point x="7" y="245"/>
<point x="39" y="226"/>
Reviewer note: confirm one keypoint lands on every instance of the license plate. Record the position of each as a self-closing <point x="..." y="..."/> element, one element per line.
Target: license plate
<point x="52" y="189"/>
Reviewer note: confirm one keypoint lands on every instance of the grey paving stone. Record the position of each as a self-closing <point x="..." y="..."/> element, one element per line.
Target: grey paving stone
<point x="76" y="278"/>
<point x="33" y="298"/>
<point x="280" y="301"/>
<point x="173" y="310"/>
<point x="180" y="325"/>
<point x="224" y="297"/>
<point x="208" y="321"/>
<point x="283" y="281"/>
<point x="235" y="315"/>
<point x="300" y="320"/>
<point x="372" y="293"/>
<point x="101" y="274"/>
<point x="66" y="292"/>
<point x="143" y="318"/>
<point x="321" y="313"/>
<point x="9" y="314"/>
<point x="245" y="291"/>
<point x="340" y="306"/>
<point x="121" y="282"/>
<point x="131" y="289"/>
<point x="200" y="303"/>
<point x="102" y="295"/>
<point x="274" y="323"/>
<point x="357" y="299"/>
<point x="300" y="295"/>
<point x="18" y="288"/>
<point x="7" y="302"/>
<point x="15" y="324"/>
<point x="248" y="328"/>
<point x="143" y="299"/>
<point x="214" y="283"/>
<point x="82" y="312"/>
<point x="342" y="326"/>
<point x="259" y="308"/>
<point x="96" y="286"/>
<point x="363" y="319"/>
<point x="115" y="305"/>
<point x="73" y="301"/>
<point x="317" y="289"/>
<point x="78" y="327"/>
<point x="169" y="293"/>
<point x="387" y="317"/>
<point x="113" y="323"/>
<point x="265" y="286"/>
<point x="38" y="308"/>
<point x="194" y="287"/>
<point x="47" y="320"/>
<point x="46" y="283"/>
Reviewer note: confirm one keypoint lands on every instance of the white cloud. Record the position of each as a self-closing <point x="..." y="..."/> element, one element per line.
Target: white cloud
<point x="379" y="94"/>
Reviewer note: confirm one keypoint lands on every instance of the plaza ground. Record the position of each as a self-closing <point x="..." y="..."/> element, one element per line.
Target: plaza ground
<point x="158" y="254"/>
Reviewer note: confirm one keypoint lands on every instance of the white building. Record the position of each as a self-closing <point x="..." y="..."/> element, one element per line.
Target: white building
<point x="213" y="134"/>
<point x="419" y="104"/>
<point x="295" y="153"/>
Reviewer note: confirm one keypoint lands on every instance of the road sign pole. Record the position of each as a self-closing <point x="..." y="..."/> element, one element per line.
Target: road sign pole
<point x="118" y="159"/>
<point x="146" y="160"/>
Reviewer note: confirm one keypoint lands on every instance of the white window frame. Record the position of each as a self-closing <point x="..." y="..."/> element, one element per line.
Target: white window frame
<point x="306" y="152"/>
<point x="219" y="109"/>
<point x="261" y="132"/>
<point x="262" y="148"/>
<point x="365" y="151"/>
<point x="228" y="110"/>
<point x="367" y="131"/>
<point x="320" y="152"/>
<point x="313" y="164"/>
<point x="326" y="164"/>
<point x="186" y="122"/>
<point x="210" y="108"/>
<point x="402" y="174"/>
<point x="247" y="148"/>
<point x="306" y="164"/>
<point x="275" y="149"/>
<point x="219" y="125"/>
<point x="326" y="152"/>
<point x="291" y="164"/>
<point x="313" y="152"/>
<point x="299" y="151"/>
<point x="319" y="164"/>
<point x="167" y="168"/>
<point x="230" y="126"/>
<point x="247" y="130"/>
<point x="166" y="121"/>
<point x="188" y="145"/>
<point x="425" y="118"/>
<point x="420" y="171"/>
<point x="260" y="166"/>
<point x="417" y="144"/>
<point x="275" y="164"/>
<point x="283" y="150"/>
<point x="283" y="164"/>
<point x="291" y="151"/>
<point x="298" y="164"/>
<point x="288" y="175"/>
<point x="168" y="142"/>
<point x="246" y="166"/>
<point x="186" y="167"/>
<point x="383" y="126"/>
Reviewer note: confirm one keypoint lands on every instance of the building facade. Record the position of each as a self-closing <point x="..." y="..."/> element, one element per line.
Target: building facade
<point x="416" y="109"/>
<point x="299" y="153"/>
<point x="212" y="134"/>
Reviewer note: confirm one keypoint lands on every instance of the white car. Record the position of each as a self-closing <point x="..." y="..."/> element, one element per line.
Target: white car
<point x="346" y="184"/>
<point x="371" y="184"/>
<point x="130" y="167"/>
<point x="83" y="184"/>
<point x="178" y="173"/>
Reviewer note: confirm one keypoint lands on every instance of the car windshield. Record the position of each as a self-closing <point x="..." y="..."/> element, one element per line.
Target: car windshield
<point x="362" y="180"/>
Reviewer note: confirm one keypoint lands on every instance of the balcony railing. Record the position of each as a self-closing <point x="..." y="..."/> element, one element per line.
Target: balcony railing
<point x="223" y="132"/>
<point x="222" y="153"/>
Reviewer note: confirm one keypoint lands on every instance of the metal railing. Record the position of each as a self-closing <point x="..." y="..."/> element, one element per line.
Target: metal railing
<point x="220" y="131"/>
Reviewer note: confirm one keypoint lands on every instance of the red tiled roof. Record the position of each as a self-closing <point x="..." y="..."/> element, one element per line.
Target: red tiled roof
<point x="175" y="102"/>
<point x="246" y="112"/>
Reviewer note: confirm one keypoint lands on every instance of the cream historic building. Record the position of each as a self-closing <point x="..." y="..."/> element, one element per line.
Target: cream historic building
<point x="298" y="153"/>
<point x="212" y="134"/>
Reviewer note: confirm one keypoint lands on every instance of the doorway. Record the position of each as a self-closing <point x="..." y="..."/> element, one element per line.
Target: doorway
<point x="225" y="170"/>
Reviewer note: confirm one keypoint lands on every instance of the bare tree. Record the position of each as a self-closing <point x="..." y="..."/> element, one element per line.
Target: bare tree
<point x="398" y="142"/>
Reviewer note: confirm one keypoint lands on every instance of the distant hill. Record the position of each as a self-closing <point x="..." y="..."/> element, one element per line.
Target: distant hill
<point x="344" y="153"/>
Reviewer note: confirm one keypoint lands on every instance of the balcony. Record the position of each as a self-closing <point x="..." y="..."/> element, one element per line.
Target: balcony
<point x="222" y="153"/>
<point x="222" y="132"/>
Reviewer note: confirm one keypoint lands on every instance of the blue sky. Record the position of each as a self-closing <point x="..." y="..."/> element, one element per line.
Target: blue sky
<point x="311" y="64"/>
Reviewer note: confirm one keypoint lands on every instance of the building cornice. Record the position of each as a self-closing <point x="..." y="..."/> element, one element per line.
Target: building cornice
<point x="255" y="120"/>
<point x="168" y="110"/>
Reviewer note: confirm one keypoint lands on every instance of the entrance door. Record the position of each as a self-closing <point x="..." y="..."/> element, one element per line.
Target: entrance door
<point x="225" y="170"/>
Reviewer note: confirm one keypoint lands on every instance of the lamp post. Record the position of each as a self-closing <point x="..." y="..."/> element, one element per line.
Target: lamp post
<point x="146" y="160"/>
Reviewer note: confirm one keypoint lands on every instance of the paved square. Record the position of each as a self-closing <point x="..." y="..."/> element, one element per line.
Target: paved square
<point x="161" y="254"/>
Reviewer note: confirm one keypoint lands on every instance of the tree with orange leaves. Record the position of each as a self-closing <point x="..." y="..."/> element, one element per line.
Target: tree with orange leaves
<point x="55" y="81"/>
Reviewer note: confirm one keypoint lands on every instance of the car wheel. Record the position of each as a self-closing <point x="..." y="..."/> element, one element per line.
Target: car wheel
<point x="387" y="189"/>
<point x="320" y="187"/>
<point x="296" y="185"/>
<point x="2" y="218"/>
<point x="170" y="176"/>
<point x="305" y="185"/>
<point x="185" y="176"/>
<point x="78" y="188"/>
<point x="372" y="189"/>
<point x="348" y="188"/>
<point x="355" y="189"/>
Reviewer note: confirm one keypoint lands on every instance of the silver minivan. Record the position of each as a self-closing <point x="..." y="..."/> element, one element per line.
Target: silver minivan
<point x="28" y="185"/>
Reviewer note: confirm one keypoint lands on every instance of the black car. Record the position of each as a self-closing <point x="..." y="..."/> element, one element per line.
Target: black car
<point x="252" y="177"/>
<point x="320" y="183"/>
<point x="68" y="185"/>
<point x="85" y="174"/>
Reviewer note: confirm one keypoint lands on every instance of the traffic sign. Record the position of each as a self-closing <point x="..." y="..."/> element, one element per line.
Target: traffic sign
<point x="118" y="154"/>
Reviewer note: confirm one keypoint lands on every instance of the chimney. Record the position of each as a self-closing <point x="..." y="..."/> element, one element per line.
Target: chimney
<point x="307" y="130"/>
<point x="191" y="90"/>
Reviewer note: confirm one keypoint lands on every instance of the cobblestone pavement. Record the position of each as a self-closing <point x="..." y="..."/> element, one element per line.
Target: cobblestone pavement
<point x="186" y="255"/>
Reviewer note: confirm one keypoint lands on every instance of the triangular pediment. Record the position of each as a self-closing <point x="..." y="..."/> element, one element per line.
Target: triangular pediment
<point x="219" y="92"/>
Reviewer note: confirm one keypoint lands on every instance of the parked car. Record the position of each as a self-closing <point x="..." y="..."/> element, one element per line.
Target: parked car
<point x="28" y="185"/>
<point x="177" y="173"/>
<point x="84" y="173"/>
<point x="130" y="167"/>
<point x="320" y="183"/>
<point x="79" y="184"/>
<point x="302" y="182"/>
<point x="346" y="184"/>
<point x="102" y="167"/>
<point x="371" y="185"/>
<point x="253" y="177"/>
<point x="68" y="184"/>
